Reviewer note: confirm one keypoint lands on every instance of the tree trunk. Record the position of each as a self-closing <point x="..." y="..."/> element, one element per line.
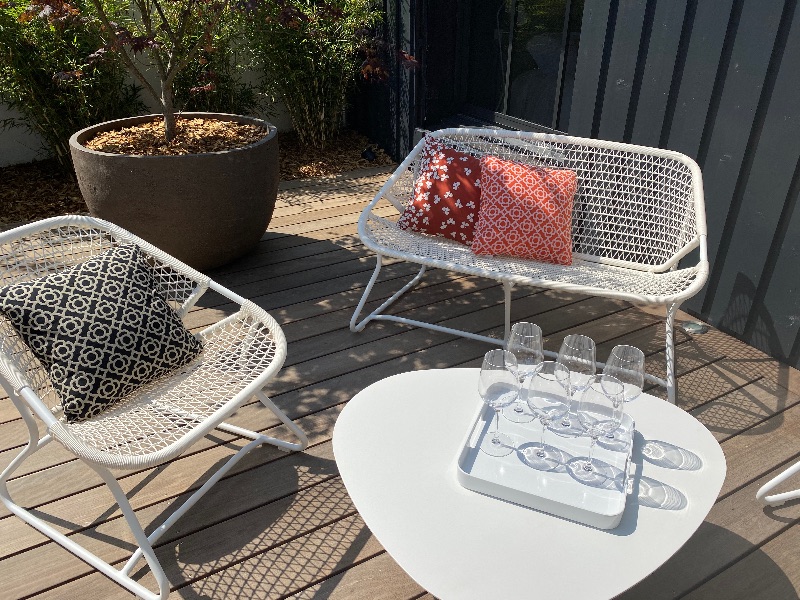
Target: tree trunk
<point x="169" y="112"/>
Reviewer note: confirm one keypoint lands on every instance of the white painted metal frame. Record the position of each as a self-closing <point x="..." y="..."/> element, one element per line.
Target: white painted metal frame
<point x="764" y="495"/>
<point x="242" y="353"/>
<point x="638" y="213"/>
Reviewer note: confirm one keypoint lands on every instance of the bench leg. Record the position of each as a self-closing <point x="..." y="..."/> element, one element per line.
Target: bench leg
<point x="672" y="310"/>
<point x="355" y="325"/>
<point x="507" y="287"/>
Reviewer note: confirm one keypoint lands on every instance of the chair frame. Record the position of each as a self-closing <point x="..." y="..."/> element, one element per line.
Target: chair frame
<point x="32" y="408"/>
<point x="764" y="495"/>
<point x="545" y="150"/>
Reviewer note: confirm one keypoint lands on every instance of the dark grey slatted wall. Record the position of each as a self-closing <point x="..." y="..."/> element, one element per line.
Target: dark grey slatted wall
<point x="717" y="80"/>
<point x="727" y="145"/>
<point x="781" y="298"/>
<point x="693" y="85"/>
<point x="621" y="69"/>
<point x="590" y="59"/>
<point x="745" y="274"/>
<point x="650" y="104"/>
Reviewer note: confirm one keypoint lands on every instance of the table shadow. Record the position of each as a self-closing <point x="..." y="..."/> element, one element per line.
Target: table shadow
<point x="713" y="564"/>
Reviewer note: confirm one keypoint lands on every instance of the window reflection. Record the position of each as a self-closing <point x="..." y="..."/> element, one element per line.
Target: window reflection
<point x="527" y="68"/>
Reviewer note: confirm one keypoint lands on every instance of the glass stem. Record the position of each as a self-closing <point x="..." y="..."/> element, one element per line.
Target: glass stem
<point x="541" y="437"/>
<point x="496" y="436"/>
<point x="518" y="408"/>
<point x="589" y="466"/>
<point x="567" y="420"/>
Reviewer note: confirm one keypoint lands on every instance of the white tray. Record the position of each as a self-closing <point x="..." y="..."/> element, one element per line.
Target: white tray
<point x="555" y="492"/>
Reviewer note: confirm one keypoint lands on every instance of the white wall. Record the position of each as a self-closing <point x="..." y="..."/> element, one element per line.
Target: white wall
<point x="18" y="144"/>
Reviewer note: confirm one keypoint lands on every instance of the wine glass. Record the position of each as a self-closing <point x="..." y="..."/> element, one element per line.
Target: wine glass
<point x="525" y="343"/>
<point x="548" y="399"/>
<point x="577" y="353"/>
<point x="599" y="412"/>
<point x="498" y="387"/>
<point x="626" y="363"/>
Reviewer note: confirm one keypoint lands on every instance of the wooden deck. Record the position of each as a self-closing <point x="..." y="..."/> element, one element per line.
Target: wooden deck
<point x="283" y="525"/>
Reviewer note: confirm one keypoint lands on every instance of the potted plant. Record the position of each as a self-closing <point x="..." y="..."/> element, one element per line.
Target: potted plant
<point x="205" y="203"/>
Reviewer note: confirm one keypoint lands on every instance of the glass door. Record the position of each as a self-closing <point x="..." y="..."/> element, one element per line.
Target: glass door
<point x="522" y="56"/>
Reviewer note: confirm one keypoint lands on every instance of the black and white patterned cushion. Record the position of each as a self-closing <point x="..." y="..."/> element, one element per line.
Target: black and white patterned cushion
<point x="101" y="329"/>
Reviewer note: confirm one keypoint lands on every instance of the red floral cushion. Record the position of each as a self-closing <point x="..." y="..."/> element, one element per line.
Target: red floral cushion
<point x="446" y="194"/>
<point x="526" y="211"/>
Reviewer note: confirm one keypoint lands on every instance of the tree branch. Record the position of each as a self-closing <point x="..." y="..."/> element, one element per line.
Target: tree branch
<point x="165" y="24"/>
<point x="176" y="68"/>
<point x="149" y="30"/>
<point x="155" y="53"/>
<point x="126" y="59"/>
<point x="185" y="17"/>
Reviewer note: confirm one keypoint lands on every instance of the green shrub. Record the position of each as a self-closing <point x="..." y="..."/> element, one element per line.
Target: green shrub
<point x="214" y="82"/>
<point x="46" y="77"/>
<point x="309" y="50"/>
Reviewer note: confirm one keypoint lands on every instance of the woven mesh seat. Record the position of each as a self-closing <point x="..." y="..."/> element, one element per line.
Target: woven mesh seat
<point x="638" y="214"/>
<point x="582" y="276"/>
<point x="158" y="421"/>
<point x="151" y="426"/>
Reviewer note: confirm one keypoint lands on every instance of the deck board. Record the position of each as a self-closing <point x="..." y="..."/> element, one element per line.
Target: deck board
<point x="282" y="526"/>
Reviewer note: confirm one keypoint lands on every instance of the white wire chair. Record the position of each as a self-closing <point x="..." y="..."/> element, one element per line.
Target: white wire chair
<point x="160" y="420"/>
<point x="637" y="214"/>
<point x="764" y="495"/>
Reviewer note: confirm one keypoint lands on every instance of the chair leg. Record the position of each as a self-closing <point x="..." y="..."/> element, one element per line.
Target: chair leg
<point x="377" y="315"/>
<point x="92" y="559"/>
<point x="145" y="543"/>
<point x="299" y="446"/>
<point x="145" y="547"/>
<point x="672" y="310"/>
<point x="778" y="499"/>
<point x="257" y="440"/>
<point x="198" y="493"/>
<point x="355" y="325"/>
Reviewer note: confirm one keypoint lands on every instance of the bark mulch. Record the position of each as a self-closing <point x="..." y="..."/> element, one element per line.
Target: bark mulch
<point x="37" y="190"/>
<point x="192" y="136"/>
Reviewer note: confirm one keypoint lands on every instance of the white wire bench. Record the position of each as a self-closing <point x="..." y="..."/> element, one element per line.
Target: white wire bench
<point x="160" y="420"/>
<point x="638" y="214"/>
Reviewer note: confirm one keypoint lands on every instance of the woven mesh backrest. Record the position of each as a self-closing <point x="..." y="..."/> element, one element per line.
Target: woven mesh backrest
<point x="53" y="250"/>
<point x="631" y="206"/>
<point x="47" y="252"/>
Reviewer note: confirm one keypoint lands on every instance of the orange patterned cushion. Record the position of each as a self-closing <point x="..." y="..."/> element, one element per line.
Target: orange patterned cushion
<point x="446" y="194"/>
<point x="526" y="211"/>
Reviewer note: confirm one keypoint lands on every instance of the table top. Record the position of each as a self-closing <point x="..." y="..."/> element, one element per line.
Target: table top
<point x="396" y="446"/>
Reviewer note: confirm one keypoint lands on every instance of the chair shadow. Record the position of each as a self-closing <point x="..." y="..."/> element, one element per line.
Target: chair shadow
<point x="762" y="400"/>
<point x="227" y="546"/>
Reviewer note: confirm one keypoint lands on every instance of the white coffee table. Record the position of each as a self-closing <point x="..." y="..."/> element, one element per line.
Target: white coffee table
<point x="396" y="444"/>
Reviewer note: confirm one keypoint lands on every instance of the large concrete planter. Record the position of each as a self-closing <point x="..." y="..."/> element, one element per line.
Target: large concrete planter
<point x="204" y="209"/>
